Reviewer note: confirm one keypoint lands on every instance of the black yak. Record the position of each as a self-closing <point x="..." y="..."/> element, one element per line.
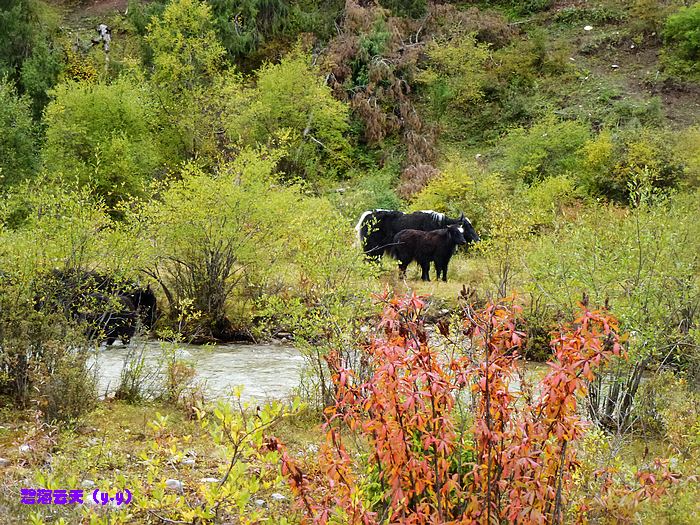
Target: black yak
<point x="109" y="318"/>
<point x="376" y="228"/>
<point x="110" y="308"/>
<point x="436" y="246"/>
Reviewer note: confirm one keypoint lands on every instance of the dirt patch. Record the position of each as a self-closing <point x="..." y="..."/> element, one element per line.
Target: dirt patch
<point x="636" y="67"/>
<point x="75" y="10"/>
<point x="101" y="7"/>
<point x="681" y="102"/>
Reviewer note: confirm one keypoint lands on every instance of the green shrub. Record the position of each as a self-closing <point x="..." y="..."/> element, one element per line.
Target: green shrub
<point x="139" y="16"/>
<point x="514" y="89"/>
<point x="463" y="188"/>
<point x="647" y="16"/>
<point x="29" y="54"/>
<point x="291" y="103"/>
<point x="186" y="51"/>
<point x="42" y="359"/>
<point x="682" y="38"/>
<point x="42" y="353"/>
<point x="244" y="25"/>
<point x="687" y="149"/>
<point x="68" y="389"/>
<point x="641" y="262"/>
<point x="548" y="148"/>
<point x="103" y="135"/>
<point x="682" y="30"/>
<point x="600" y="14"/>
<point x="18" y="159"/>
<point x="547" y="199"/>
<point x="237" y="236"/>
<point x="187" y="62"/>
<point x="613" y="161"/>
<point x="137" y="380"/>
<point x="668" y="408"/>
<point x="454" y="73"/>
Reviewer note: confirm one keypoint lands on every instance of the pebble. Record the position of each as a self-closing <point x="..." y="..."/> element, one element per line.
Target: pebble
<point x="4" y="462"/>
<point x="615" y="66"/>
<point x="278" y="497"/>
<point x="209" y="480"/>
<point x="587" y="28"/>
<point x="260" y="502"/>
<point x="173" y="484"/>
<point x="24" y="448"/>
<point x="87" y="484"/>
<point x="188" y="461"/>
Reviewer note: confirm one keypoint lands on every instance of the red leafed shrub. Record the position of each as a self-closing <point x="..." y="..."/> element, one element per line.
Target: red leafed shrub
<point x="418" y="460"/>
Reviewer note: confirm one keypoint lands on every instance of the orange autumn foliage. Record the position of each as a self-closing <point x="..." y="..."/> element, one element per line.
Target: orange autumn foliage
<point x="513" y="464"/>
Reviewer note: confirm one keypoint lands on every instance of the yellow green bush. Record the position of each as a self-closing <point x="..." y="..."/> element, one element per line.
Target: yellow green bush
<point x="464" y="187"/>
<point x="550" y="147"/>
<point x="612" y="161"/>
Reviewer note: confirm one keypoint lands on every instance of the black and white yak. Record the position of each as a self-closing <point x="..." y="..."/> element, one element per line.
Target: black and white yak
<point x="376" y="228"/>
<point x="436" y="246"/>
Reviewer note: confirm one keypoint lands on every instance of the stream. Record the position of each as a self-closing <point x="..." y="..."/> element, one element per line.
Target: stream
<point x="266" y="371"/>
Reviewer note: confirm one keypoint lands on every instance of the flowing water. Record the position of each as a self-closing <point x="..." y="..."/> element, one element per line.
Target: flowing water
<point x="266" y="371"/>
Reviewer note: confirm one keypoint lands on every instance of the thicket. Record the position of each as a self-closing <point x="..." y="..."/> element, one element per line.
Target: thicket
<point x="18" y="141"/>
<point x="454" y="441"/>
<point x="44" y="354"/>
<point x="222" y="243"/>
<point x="30" y="54"/>
<point x="641" y="262"/>
<point x="291" y="104"/>
<point x="104" y="136"/>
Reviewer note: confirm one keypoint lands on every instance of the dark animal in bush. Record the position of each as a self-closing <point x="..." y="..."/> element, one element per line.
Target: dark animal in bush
<point x="436" y="246"/>
<point x="110" y="318"/>
<point x="376" y="228"/>
<point x="110" y="308"/>
<point x="143" y="300"/>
